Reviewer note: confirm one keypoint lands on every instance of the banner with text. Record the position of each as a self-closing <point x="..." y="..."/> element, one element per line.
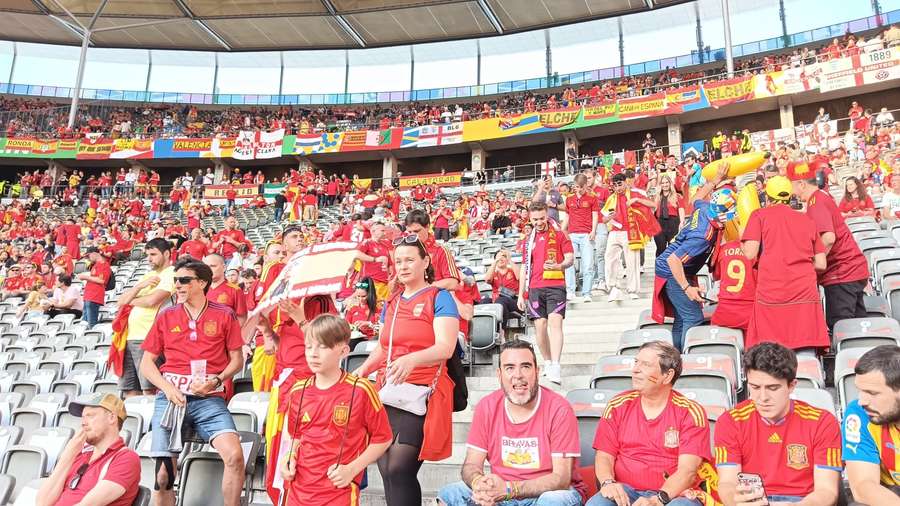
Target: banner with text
<point x="219" y="191"/>
<point x="730" y="91"/>
<point x="860" y="69"/>
<point x="451" y="179"/>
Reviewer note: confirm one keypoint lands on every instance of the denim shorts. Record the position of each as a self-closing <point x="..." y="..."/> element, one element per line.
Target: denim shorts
<point x="208" y="416"/>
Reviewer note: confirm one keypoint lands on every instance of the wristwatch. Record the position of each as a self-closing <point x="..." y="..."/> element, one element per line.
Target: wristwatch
<point x="605" y="483"/>
<point x="663" y="497"/>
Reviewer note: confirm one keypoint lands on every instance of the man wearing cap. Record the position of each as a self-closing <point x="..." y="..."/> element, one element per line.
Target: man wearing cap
<point x="675" y="288"/>
<point x="789" y="252"/>
<point x="95" y="467"/>
<point x="847" y="273"/>
<point x="94" y="285"/>
<point x="13" y="285"/>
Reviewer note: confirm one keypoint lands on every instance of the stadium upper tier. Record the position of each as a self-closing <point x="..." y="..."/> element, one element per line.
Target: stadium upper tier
<point x="624" y="47"/>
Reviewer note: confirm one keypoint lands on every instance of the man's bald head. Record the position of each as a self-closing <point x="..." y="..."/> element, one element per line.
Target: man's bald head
<point x="216" y="263"/>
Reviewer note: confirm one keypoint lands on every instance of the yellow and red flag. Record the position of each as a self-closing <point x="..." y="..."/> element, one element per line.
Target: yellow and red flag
<point x="119" y="339"/>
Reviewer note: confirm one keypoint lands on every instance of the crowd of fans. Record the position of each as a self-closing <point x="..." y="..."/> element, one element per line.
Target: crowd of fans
<point x="39" y="117"/>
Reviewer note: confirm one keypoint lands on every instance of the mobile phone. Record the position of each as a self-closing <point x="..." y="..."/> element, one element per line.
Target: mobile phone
<point x="752" y="481"/>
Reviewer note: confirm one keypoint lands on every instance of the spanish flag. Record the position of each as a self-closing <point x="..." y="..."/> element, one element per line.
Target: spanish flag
<point x="119" y="339"/>
<point x="276" y="426"/>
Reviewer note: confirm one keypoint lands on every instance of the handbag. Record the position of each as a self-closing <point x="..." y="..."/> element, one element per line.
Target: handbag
<point x="406" y="396"/>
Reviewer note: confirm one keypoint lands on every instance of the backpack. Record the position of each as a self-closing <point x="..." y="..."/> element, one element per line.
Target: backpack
<point x="111" y="282"/>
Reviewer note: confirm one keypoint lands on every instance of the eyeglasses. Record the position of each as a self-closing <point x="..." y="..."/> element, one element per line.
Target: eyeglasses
<point x="184" y="280"/>
<point x="406" y="239"/>
<point x="192" y="324"/>
<point x="73" y="483"/>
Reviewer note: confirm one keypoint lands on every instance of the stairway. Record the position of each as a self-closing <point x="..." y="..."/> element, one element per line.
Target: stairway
<point x="591" y="330"/>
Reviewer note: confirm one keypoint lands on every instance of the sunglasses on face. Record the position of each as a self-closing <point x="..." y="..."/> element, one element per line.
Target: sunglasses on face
<point x="184" y="280"/>
<point x="406" y="239"/>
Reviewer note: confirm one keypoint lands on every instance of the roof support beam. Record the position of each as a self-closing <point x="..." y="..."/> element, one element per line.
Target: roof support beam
<point x="71" y="16"/>
<point x="137" y="25"/>
<point x="203" y="26"/>
<point x="649" y="4"/>
<point x="343" y="22"/>
<point x="489" y="13"/>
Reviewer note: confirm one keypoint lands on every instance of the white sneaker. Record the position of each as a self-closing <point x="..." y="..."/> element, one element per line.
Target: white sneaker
<point x="614" y="295"/>
<point x="601" y="287"/>
<point x="587" y="298"/>
<point x="633" y="296"/>
<point x="554" y="373"/>
<point x="570" y="297"/>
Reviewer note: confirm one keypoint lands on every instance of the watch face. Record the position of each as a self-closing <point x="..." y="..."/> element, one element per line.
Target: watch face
<point x="663" y="497"/>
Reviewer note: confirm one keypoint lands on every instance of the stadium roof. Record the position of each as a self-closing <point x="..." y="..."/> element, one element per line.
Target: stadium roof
<point x="260" y="25"/>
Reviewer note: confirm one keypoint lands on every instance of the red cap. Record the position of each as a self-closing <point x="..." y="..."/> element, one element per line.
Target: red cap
<point x="799" y="171"/>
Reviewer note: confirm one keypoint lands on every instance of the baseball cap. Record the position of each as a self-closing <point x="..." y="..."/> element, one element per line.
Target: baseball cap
<point x="799" y="171"/>
<point x="778" y="188"/>
<point x="109" y="402"/>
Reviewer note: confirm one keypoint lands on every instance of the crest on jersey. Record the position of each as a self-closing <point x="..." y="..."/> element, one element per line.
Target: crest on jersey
<point x="341" y="415"/>
<point x="670" y="439"/>
<point x="222" y="298"/>
<point x="797" y="457"/>
<point x="209" y="328"/>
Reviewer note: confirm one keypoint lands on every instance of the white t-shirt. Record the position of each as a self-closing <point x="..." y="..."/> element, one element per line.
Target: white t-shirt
<point x="60" y="296"/>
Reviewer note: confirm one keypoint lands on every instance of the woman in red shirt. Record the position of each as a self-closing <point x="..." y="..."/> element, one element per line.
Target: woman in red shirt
<point x="362" y="311"/>
<point x="669" y="212"/>
<point x="856" y="201"/>
<point x="503" y="276"/>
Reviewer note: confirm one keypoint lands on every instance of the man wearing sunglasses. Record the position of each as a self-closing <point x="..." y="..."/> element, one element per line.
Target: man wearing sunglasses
<point x="202" y="344"/>
<point x="95" y="467"/>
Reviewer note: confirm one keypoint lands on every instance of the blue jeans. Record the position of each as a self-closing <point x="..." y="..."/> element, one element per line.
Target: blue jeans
<point x="208" y="416"/>
<point x="459" y="494"/>
<point x="580" y="242"/>
<point x="687" y="312"/>
<point x="600" y="245"/>
<point x="279" y="212"/>
<point x="633" y="495"/>
<point x="784" y="498"/>
<point x="91" y="313"/>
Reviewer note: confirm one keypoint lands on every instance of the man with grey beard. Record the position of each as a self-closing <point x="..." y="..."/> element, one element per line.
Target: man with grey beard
<point x="871" y="428"/>
<point x="528" y="434"/>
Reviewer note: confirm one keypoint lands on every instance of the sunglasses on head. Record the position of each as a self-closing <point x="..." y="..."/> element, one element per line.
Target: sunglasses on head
<point x="363" y="285"/>
<point x="406" y="239"/>
<point x="184" y="280"/>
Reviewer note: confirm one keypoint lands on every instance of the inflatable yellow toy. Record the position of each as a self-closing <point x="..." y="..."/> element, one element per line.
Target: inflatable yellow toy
<point x="747" y="202"/>
<point x="737" y="164"/>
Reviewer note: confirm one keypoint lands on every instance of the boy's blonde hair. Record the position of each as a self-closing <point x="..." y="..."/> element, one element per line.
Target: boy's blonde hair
<point x="329" y="330"/>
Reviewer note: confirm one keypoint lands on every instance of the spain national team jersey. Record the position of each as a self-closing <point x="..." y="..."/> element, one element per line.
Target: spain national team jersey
<point x="865" y="441"/>
<point x="180" y="339"/>
<point x="230" y="295"/>
<point x="329" y="425"/>
<point x="647" y="451"/>
<point x="737" y="287"/>
<point x="785" y="454"/>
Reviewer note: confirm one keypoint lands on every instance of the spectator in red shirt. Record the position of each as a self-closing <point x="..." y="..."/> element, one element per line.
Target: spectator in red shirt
<point x="230" y="241"/>
<point x="196" y="246"/>
<point x="652" y="440"/>
<point x="521" y="418"/>
<point x="856" y="201"/>
<point x="192" y="331"/>
<point x="94" y="285"/>
<point x="95" y="466"/>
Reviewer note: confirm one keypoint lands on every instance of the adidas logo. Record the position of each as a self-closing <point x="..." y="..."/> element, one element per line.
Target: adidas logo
<point x="775" y="438"/>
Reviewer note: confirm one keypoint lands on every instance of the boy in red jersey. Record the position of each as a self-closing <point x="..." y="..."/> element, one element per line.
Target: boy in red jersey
<point x="737" y="287"/>
<point x="339" y="419"/>
<point x="652" y="441"/>
<point x="794" y="447"/>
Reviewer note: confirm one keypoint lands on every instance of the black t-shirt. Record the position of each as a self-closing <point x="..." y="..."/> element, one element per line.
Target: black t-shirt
<point x="280" y="199"/>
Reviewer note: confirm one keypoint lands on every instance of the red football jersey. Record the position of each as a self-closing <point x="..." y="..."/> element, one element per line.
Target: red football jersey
<point x="784" y="454"/>
<point x="646" y="451"/>
<point x="543" y="243"/>
<point x="737" y="287"/>
<point x="376" y="270"/>
<point x="845" y="260"/>
<point x="329" y="424"/>
<point x="210" y="337"/>
<point x="229" y="295"/>
<point x="581" y="210"/>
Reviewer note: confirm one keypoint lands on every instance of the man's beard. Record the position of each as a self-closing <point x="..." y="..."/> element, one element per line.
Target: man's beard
<point x="532" y="393"/>
<point x="891" y="417"/>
